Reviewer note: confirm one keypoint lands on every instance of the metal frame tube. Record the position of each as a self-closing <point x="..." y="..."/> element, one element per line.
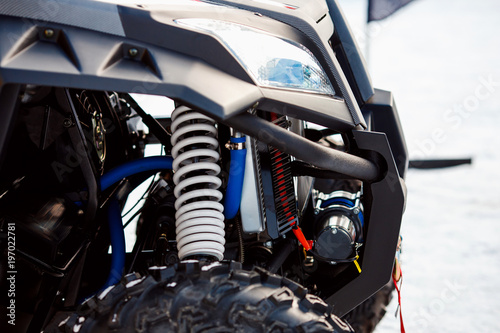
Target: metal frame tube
<point x="303" y="149"/>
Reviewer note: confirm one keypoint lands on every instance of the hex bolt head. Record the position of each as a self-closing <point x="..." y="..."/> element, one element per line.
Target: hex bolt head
<point x="67" y="122"/>
<point x="133" y="52"/>
<point x="49" y="33"/>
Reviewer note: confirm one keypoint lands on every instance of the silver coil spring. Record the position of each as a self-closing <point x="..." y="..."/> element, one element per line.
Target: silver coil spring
<point x="199" y="217"/>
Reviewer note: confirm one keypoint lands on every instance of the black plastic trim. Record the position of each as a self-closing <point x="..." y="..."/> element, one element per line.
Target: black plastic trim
<point x="349" y="55"/>
<point x="9" y="94"/>
<point x="187" y="79"/>
<point x="382" y="115"/>
<point x="384" y="203"/>
<point x="92" y="60"/>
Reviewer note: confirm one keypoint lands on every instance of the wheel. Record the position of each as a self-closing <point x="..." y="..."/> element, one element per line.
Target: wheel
<point x="190" y="297"/>
<point x="365" y="317"/>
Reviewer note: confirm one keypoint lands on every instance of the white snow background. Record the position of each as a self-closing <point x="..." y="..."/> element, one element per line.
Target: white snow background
<point x="442" y="61"/>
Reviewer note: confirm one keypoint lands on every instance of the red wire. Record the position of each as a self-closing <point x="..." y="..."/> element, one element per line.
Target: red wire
<point x="302" y="239"/>
<point x="399" y="298"/>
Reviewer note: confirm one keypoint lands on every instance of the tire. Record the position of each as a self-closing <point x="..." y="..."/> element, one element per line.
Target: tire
<point x="366" y="316"/>
<point x="190" y="297"/>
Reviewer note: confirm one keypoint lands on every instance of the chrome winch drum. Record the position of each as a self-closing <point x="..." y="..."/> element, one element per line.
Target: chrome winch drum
<point x="338" y="225"/>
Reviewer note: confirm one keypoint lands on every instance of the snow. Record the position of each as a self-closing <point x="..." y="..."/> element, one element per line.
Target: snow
<point x="441" y="60"/>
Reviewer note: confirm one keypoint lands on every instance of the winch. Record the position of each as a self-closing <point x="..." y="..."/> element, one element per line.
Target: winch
<point x="338" y="224"/>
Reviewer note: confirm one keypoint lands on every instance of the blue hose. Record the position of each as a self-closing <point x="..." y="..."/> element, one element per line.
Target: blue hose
<point x="234" y="189"/>
<point x="155" y="163"/>
<point x="117" y="243"/>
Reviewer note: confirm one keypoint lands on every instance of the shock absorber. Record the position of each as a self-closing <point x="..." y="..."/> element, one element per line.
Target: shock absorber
<point x="199" y="218"/>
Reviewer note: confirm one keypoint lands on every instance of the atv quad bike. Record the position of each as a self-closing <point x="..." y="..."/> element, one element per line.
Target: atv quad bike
<point x="274" y="206"/>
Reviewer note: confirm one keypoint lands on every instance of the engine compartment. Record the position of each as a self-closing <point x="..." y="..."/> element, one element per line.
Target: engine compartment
<point x="295" y="220"/>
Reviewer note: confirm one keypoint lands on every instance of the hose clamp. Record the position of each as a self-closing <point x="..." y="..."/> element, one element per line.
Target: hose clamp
<point x="235" y="145"/>
<point x="236" y="142"/>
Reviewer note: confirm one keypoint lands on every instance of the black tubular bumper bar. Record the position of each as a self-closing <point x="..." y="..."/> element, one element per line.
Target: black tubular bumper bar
<point x="303" y="149"/>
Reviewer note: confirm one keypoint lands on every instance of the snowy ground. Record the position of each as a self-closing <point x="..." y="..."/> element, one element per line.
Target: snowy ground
<point x="441" y="60"/>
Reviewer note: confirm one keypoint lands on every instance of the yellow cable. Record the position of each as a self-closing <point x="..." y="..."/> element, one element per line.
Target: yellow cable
<point x="357" y="265"/>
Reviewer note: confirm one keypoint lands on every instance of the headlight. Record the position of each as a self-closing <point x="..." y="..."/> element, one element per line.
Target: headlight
<point x="271" y="61"/>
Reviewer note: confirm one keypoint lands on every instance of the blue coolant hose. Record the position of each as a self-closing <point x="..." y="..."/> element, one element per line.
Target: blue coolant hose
<point x="234" y="189"/>
<point x="155" y="163"/>
<point x="117" y="235"/>
<point x="117" y="243"/>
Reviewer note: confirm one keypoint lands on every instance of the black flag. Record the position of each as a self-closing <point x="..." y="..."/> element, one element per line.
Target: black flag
<point x="380" y="9"/>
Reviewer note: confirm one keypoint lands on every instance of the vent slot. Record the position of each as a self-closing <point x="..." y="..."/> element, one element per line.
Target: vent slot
<point x="278" y="191"/>
<point x="283" y="187"/>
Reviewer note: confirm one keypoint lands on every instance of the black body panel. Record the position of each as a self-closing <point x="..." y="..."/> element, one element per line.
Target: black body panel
<point x="382" y="116"/>
<point x="161" y="58"/>
<point x="91" y="15"/>
<point x="349" y="55"/>
<point x="384" y="206"/>
<point x="84" y="59"/>
<point x="8" y="101"/>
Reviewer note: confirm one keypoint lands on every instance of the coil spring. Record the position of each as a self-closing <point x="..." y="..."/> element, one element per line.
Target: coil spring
<point x="199" y="219"/>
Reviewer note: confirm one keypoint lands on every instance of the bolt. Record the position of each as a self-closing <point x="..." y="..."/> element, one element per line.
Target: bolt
<point x="133" y="52"/>
<point x="171" y="258"/>
<point x="355" y="210"/>
<point x="67" y="122"/>
<point x="49" y="33"/>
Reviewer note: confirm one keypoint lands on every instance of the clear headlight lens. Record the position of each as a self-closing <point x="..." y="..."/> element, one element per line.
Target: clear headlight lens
<point x="271" y="61"/>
